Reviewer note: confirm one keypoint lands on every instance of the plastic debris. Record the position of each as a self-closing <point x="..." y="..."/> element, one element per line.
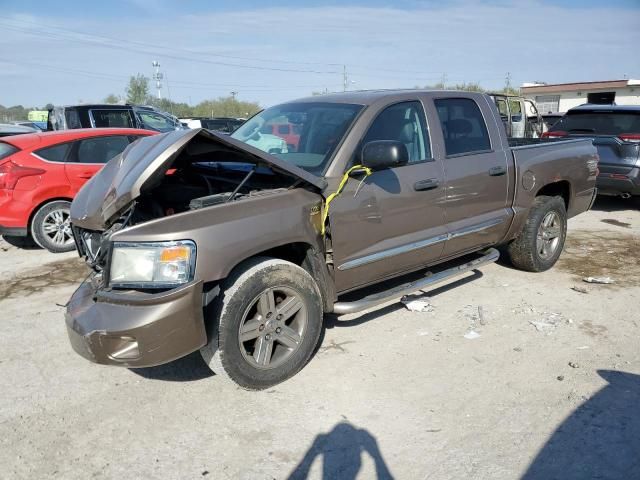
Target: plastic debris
<point x="601" y="280"/>
<point x="483" y="321"/>
<point x="573" y="365"/>
<point x="471" y="335"/>
<point x="580" y="289"/>
<point x="560" y="378"/>
<point x="418" y="305"/>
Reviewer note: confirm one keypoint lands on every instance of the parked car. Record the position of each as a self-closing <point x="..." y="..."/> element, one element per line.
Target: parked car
<point x="9" y="129"/>
<point x="615" y="131"/>
<point x="203" y="241"/>
<point x="111" y="116"/>
<point x="289" y="132"/>
<point x="549" y="119"/>
<point x="40" y="173"/>
<point x="519" y="116"/>
<point x="218" y="124"/>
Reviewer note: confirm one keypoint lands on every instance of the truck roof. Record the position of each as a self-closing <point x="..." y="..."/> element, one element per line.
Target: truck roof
<point x="368" y="97"/>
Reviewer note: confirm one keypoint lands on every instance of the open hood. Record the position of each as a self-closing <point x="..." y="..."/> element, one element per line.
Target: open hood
<point x="145" y="163"/>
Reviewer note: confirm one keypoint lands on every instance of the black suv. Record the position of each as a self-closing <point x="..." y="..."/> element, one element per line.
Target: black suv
<point x="105" y="116"/>
<point x="615" y="130"/>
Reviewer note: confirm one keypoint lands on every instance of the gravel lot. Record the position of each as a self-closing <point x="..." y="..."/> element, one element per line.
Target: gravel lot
<point x="549" y="389"/>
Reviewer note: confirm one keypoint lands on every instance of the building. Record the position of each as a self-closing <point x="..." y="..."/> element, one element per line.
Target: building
<point x="563" y="96"/>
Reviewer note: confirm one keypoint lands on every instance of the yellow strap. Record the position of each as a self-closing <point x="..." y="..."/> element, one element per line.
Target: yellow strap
<point x="343" y="182"/>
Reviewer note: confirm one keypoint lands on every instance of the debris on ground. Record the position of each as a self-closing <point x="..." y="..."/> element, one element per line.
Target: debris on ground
<point x="600" y="280"/>
<point x="471" y="335"/>
<point x="423" y="334"/>
<point x="483" y="321"/>
<point x="417" y="304"/>
<point x="560" y="378"/>
<point x="517" y="349"/>
<point x="573" y="365"/>
<point x="580" y="289"/>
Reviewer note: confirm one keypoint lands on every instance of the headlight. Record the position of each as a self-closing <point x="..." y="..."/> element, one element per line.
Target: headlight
<point x="152" y="265"/>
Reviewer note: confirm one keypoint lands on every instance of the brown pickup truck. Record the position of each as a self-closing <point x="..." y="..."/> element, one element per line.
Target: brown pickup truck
<point x="237" y="245"/>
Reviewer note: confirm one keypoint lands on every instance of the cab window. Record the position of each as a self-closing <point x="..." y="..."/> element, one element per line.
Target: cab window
<point x="405" y="123"/>
<point x="463" y="126"/>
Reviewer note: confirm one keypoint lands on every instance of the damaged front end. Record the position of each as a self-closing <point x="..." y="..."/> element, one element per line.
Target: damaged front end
<point x="142" y="221"/>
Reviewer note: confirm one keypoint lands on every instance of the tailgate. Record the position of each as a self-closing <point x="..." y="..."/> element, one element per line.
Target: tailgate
<point x="615" y="154"/>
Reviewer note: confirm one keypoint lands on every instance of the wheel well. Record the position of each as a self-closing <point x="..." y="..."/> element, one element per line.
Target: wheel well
<point x="292" y="252"/>
<point x="559" y="189"/>
<point x="305" y="256"/>
<point x="42" y="204"/>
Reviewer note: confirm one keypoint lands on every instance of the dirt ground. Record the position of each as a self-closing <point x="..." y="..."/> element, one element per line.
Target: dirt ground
<point x="547" y="386"/>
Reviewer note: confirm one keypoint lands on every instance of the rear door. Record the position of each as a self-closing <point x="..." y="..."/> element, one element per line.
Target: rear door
<point x="393" y="220"/>
<point x="89" y="155"/>
<point x="476" y="170"/>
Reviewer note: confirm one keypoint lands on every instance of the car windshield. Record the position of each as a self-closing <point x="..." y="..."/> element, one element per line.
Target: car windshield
<point x="598" y="123"/>
<point x="304" y="134"/>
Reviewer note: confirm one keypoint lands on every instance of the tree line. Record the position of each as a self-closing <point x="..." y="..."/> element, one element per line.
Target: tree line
<point x="137" y="92"/>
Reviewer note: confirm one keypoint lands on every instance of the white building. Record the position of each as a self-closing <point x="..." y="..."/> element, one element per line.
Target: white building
<point x="563" y="96"/>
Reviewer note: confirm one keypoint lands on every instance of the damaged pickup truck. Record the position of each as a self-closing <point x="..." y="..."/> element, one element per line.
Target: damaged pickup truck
<point x="236" y="246"/>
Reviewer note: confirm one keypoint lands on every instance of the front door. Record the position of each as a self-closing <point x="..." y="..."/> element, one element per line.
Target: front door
<point x="476" y="176"/>
<point x="393" y="220"/>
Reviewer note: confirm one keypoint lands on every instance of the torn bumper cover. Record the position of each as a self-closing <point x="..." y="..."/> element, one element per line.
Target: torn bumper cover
<point x="136" y="329"/>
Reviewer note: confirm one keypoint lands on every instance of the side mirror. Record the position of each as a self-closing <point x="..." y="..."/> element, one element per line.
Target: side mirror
<point x="382" y="154"/>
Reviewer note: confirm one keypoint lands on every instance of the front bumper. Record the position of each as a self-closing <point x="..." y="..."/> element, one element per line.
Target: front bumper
<point x="136" y="329"/>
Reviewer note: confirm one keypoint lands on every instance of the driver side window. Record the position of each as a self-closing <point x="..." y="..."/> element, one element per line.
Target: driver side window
<point x="405" y="123"/>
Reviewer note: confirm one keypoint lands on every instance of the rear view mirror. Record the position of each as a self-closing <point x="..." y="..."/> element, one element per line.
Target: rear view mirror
<point x="382" y="154"/>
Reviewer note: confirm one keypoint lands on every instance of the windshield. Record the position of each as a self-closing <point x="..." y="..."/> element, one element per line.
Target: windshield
<point x="304" y="134"/>
<point x="598" y="123"/>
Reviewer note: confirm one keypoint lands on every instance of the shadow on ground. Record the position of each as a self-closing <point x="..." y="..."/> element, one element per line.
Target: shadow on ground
<point x="600" y="439"/>
<point x="341" y="451"/>
<point x="615" y="204"/>
<point x="186" y="369"/>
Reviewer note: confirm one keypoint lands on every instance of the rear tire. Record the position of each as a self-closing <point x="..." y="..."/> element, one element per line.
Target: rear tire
<point x="542" y="238"/>
<point x="50" y="227"/>
<point x="265" y="324"/>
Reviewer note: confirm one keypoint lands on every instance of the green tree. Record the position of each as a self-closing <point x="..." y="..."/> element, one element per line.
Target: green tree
<point x="112" y="98"/>
<point x="138" y="89"/>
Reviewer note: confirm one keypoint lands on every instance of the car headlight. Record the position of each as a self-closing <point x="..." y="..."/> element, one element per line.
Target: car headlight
<point x="152" y="264"/>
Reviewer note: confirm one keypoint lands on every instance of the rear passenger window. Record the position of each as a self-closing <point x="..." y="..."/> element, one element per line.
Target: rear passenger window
<point x="101" y="149"/>
<point x="57" y="153"/>
<point x="463" y="126"/>
<point x="405" y="123"/>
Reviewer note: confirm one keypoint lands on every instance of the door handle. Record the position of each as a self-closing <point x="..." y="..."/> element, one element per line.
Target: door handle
<point x="428" y="184"/>
<point x="497" y="171"/>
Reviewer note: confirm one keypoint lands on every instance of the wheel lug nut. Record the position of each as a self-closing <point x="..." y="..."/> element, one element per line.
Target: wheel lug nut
<point x="261" y="327"/>
<point x="267" y="337"/>
<point x="269" y="314"/>
<point x="279" y="317"/>
<point x="278" y="330"/>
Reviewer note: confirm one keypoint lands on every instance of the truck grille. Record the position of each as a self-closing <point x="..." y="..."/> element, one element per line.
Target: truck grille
<point x="91" y="245"/>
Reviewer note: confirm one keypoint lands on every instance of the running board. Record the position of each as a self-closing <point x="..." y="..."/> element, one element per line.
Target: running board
<point x="342" y="308"/>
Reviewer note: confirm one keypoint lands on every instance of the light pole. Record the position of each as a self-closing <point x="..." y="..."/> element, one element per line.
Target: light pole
<point x="157" y="76"/>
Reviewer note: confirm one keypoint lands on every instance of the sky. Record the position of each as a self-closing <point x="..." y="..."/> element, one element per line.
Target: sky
<point x="269" y="52"/>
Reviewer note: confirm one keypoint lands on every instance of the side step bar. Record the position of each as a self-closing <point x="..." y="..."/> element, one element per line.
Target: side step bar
<point x="341" y="308"/>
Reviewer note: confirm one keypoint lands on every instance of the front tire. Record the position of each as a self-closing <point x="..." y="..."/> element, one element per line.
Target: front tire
<point x="51" y="227"/>
<point x="265" y="324"/>
<point x="542" y="238"/>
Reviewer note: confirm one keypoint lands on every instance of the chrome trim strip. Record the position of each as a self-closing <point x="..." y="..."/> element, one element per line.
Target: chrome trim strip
<point x="476" y="228"/>
<point x="374" y="257"/>
<point x="410" y="247"/>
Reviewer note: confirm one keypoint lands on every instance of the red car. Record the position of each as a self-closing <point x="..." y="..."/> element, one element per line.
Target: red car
<point x="40" y="173"/>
